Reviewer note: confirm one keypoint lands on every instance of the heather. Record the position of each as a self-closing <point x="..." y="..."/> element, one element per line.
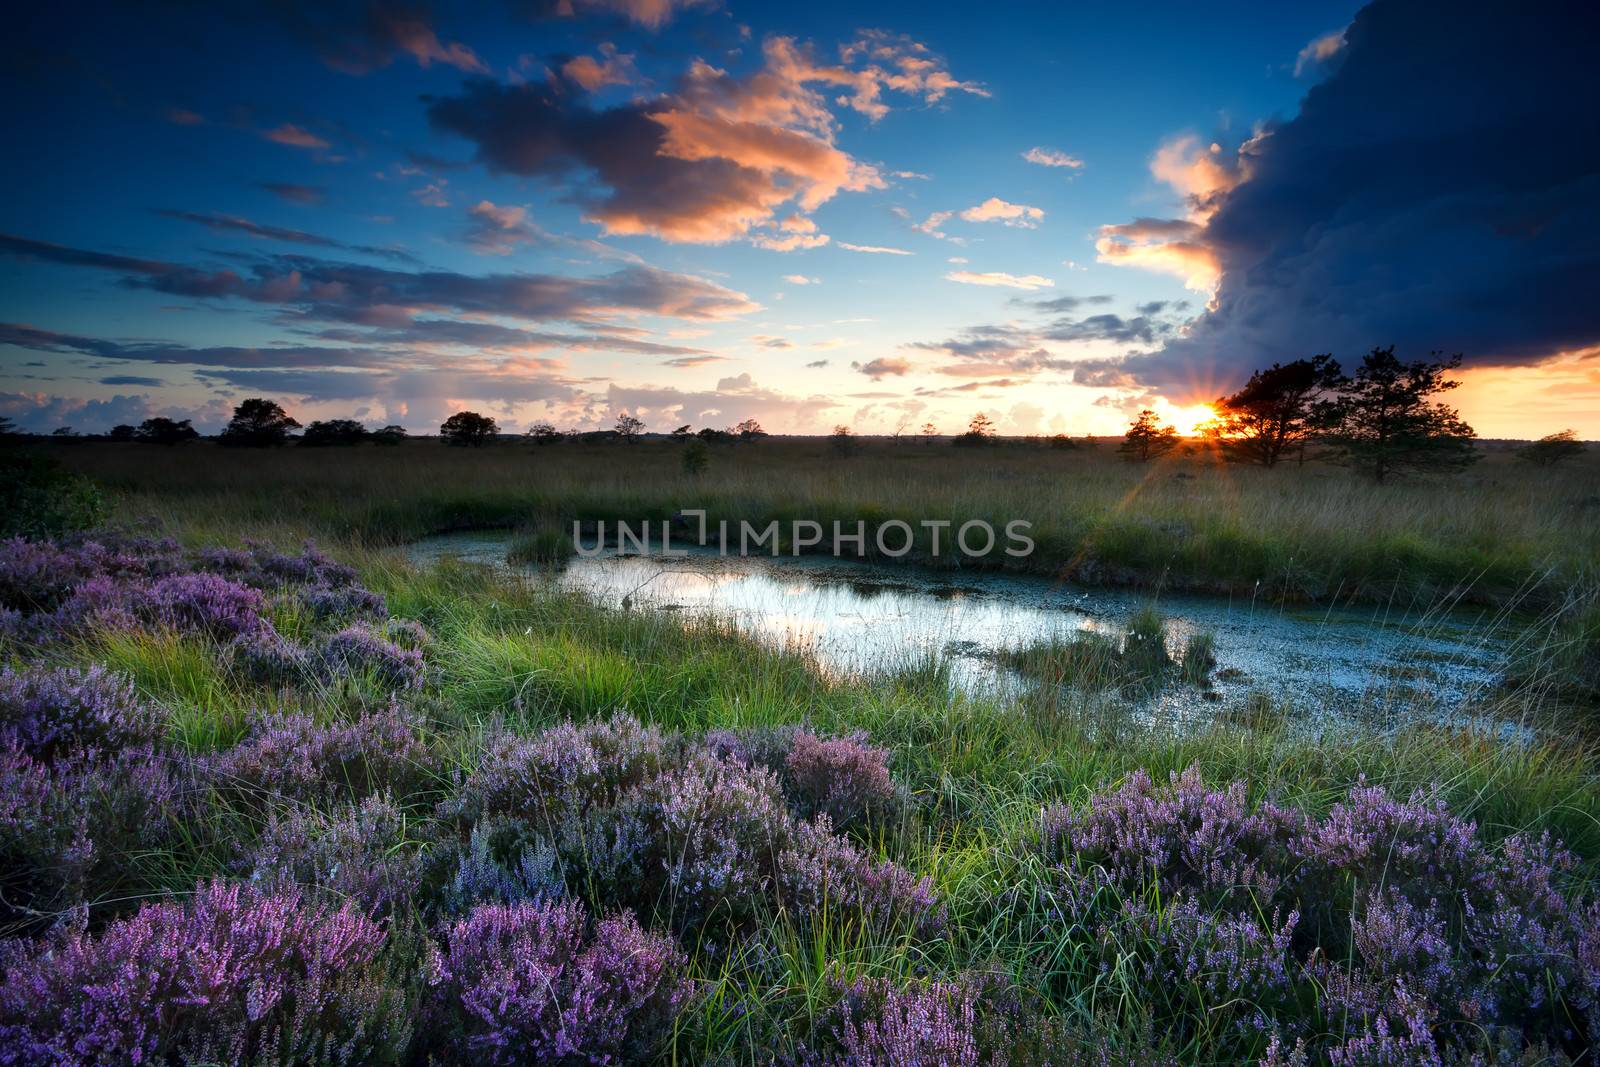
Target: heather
<point x="409" y="814"/>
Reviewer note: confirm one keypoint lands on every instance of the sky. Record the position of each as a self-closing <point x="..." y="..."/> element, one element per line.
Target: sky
<point x="880" y="215"/>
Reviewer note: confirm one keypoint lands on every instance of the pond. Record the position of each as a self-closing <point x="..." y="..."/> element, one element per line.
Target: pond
<point x="865" y="617"/>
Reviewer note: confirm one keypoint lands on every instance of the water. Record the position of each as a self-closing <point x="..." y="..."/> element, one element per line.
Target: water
<point x="864" y="617"/>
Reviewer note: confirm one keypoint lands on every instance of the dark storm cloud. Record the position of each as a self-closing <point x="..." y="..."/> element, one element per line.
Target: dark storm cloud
<point x="1441" y="190"/>
<point x="361" y="36"/>
<point x="352" y="292"/>
<point x="235" y="224"/>
<point x="1139" y="329"/>
<point x="1061" y="304"/>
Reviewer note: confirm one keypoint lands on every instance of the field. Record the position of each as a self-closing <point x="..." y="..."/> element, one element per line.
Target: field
<point x="472" y="819"/>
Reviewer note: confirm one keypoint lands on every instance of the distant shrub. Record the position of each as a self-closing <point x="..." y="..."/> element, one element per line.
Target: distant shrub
<point x="529" y="983"/>
<point x="546" y="543"/>
<point x="333" y="432"/>
<point x="342" y="603"/>
<point x="232" y="976"/>
<point x="266" y="657"/>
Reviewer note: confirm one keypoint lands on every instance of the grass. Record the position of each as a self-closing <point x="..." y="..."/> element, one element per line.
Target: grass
<point x="1500" y="533"/>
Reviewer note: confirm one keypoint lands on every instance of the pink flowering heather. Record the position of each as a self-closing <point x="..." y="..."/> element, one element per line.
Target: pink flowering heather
<point x="840" y="777"/>
<point x="360" y="854"/>
<point x="201" y="603"/>
<point x="1387" y="931"/>
<point x="47" y="712"/>
<point x="296" y="759"/>
<point x="266" y="657"/>
<point x="231" y="976"/>
<point x="357" y="651"/>
<point x="823" y="872"/>
<point x="342" y="603"/>
<point x="529" y="983"/>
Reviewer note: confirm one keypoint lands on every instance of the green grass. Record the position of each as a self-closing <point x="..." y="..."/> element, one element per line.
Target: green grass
<point x="1502" y="533"/>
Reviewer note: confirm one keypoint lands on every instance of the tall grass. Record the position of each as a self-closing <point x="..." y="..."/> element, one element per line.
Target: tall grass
<point x="1502" y="532"/>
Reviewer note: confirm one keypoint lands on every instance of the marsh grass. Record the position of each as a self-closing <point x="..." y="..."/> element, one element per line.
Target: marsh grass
<point x="1496" y="534"/>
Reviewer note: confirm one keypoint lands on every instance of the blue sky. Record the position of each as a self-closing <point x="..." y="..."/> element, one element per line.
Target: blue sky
<point x="563" y="211"/>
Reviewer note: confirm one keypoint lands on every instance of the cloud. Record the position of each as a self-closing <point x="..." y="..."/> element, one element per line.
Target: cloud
<point x="1165" y="245"/>
<point x="236" y="224"/>
<point x="1064" y="303"/>
<point x="716" y="159"/>
<point x="497" y="230"/>
<point x="42" y="413"/>
<point x="1013" y="281"/>
<point x="361" y="36"/>
<point x="801" y="279"/>
<point x="733" y="400"/>
<point x="796" y="232"/>
<point x="1316" y="55"/>
<point x="295" y="136"/>
<point x="182" y="116"/>
<point x="883" y="367"/>
<point x="693" y="361"/>
<point x="295" y="194"/>
<point x="595" y="74"/>
<point x="996" y="210"/>
<point x="651" y="14"/>
<point x="817" y="363"/>
<point x="1428" y="194"/>
<point x="1052" y="157"/>
<point x="131" y="379"/>
<point x="319" y="289"/>
<point x="875" y="249"/>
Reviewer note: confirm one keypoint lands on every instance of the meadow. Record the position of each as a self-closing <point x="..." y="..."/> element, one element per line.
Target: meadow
<point x="279" y="804"/>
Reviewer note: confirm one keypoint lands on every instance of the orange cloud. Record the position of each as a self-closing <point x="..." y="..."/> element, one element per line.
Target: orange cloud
<point x="996" y="210"/>
<point x="595" y="75"/>
<point x="296" y="136"/>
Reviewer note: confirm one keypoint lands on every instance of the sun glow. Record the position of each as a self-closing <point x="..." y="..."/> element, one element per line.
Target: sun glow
<point x="1188" y="420"/>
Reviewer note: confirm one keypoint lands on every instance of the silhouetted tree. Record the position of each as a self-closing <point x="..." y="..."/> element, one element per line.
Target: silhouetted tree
<point x="980" y="431"/>
<point x="1552" y="449"/>
<point x="122" y="432"/>
<point x="628" y="427"/>
<point x="258" y="423"/>
<point x="164" y="431"/>
<point x="749" y="430"/>
<point x="333" y="432"/>
<point x="1387" y="424"/>
<point x="844" y="442"/>
<point x="543" y="433"/>
<point x="1061" y="440"/>
<point x="682" y="433"/>
<point x="713" y="436"/>
<point x="1279" y="408"/>
<point x="929" y="431"/>
<point x="1147" y="438"/>
<point x="63" y="431"/>
<point x="389" y="435"/>
<point x="7" y="428"/>
<point x="468" y="428"/>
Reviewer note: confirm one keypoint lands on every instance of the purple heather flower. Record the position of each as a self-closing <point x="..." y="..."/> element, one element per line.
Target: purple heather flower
<point x="360" y="652"/>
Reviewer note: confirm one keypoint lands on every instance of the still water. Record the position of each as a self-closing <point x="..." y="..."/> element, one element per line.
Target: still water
<point x="862" y="617"/>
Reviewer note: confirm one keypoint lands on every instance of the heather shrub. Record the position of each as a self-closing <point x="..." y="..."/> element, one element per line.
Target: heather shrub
<point x="638" y="819"/>
<point x="199" y="603"/>
<point x="358" y="652"/>
<point x="342" y="603"/>
<point x="362" y="854"/>
<point x="293" y="758"/>
<point x="844" y="778"/>
<point x="266" y="657"/>
<point x="75" y="829"/>
<point x="531" y="983"/>
<point x="232" y="976"/>
<point x="47" y="713"/>
<point x="1385" y="931"/>
<point x="503" y="861"/>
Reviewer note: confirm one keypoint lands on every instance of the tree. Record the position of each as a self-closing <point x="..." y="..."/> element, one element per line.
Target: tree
<point x="714" y="436"/>
<point x="389" y="436"/>
<point x="7" y="427"/>
<point x="1386" y="423"/>
<point x="1553" y="449"/>
<point x="929" y="431"/>
<point x="980" y="431"/>
<point x="682" y="433"/>
<point x="1147" y="438"/>
<point x="164" y="431"/>
<point x="1279" y="408"/>
<point x="334" y="432"/>
<point x="544" y="433"/>
<point x="749" y="430"/>
<point x="63" y="431"/>
<point x="468" y="429"/>
<point x="258" y="423"/>
<point x="1062" y="441"/>
<point x="628" y="427"/>
<point x="122" y="432"/>
<point x="844" y="442"/>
